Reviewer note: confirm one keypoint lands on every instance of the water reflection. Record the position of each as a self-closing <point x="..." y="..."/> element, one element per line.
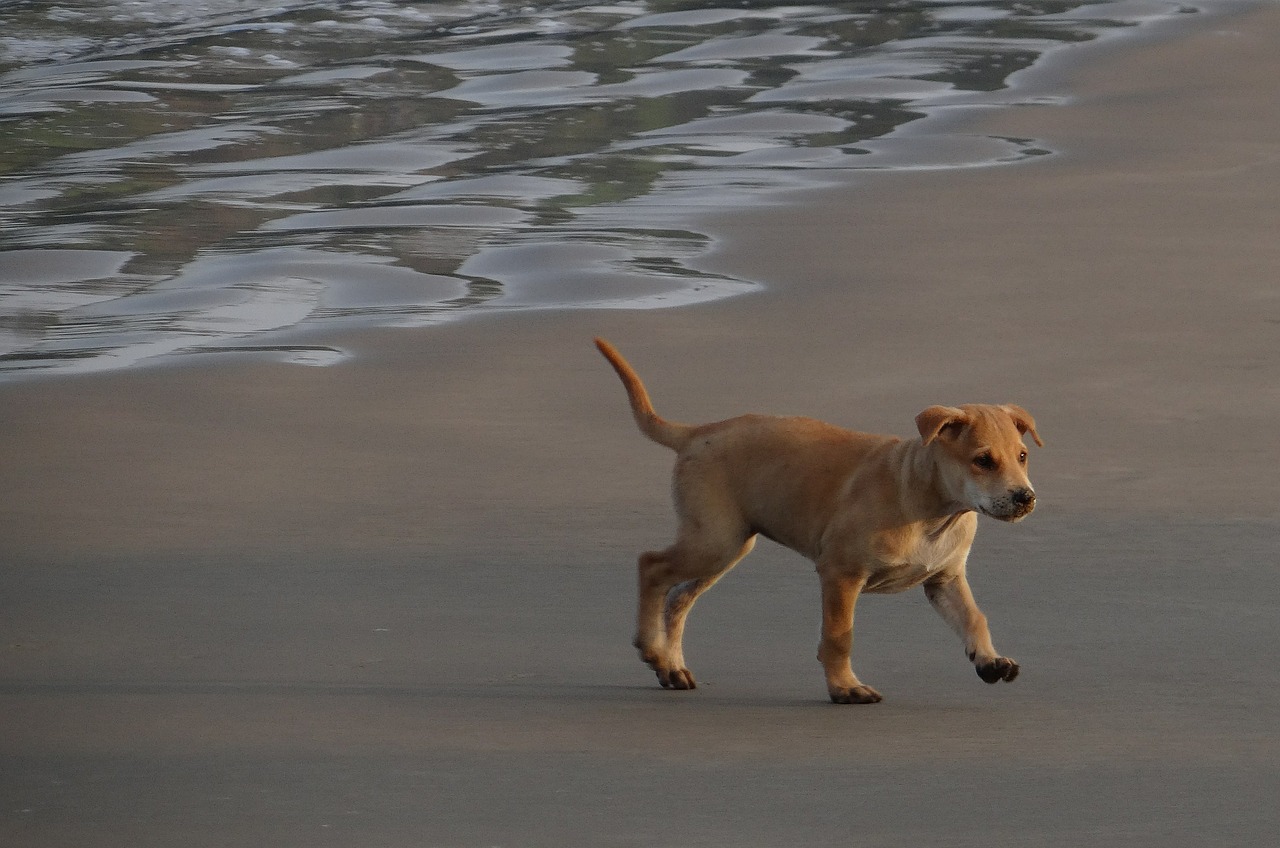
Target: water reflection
<point x="206" y="176"/>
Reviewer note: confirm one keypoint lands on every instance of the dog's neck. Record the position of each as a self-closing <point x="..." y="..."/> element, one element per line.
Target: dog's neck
<point x="933" y="534"/>
<point x="930" y="501"/>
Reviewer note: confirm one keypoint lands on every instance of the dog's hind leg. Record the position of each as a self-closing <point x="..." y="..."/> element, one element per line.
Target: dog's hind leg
<point x="670" y="581"/>
<point x="676" y="609"/>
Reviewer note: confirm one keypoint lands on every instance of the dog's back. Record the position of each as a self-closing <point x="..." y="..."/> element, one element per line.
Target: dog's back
<point x="787" y="474"/>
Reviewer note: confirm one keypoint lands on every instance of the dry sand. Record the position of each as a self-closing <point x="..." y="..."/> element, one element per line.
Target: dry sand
<point x="388" y="603"/>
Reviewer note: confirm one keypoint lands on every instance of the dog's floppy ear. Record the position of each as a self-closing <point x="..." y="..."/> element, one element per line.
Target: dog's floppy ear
<point x="1023" y="421"/>
<point x="935" y="419"/>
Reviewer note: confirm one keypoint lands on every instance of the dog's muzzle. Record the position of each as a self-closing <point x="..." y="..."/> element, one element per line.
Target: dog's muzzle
<point x="1015" y="506"/>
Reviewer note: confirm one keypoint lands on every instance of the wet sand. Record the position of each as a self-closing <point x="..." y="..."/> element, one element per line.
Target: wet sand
<point x="388" y="603"/>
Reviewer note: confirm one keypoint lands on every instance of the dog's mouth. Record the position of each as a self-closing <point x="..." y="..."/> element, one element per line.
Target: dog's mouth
<point x="1011" y="516"/>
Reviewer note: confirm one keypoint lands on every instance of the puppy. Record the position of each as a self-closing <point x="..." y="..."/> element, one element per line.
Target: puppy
<point x="874" y="513"/>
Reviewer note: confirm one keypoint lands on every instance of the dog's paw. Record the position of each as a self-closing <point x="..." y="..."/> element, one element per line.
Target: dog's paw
<point x="1001" y="668"/>
<point x="669" y="677"/>
<point x="855" y="695"/>
<point x="676" y="678"/>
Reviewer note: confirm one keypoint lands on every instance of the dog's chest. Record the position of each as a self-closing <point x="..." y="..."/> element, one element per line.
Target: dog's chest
<point x="913" y="560"/>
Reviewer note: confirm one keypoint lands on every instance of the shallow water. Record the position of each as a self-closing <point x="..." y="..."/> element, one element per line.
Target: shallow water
<point x="205" y="176"/>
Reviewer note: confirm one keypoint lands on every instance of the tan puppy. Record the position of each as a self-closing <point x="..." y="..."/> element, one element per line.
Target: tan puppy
<point x="874" y="513"/>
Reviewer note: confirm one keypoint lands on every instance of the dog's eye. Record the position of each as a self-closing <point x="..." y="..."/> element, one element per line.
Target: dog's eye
<point x="1022" y="457"/>
<point x="985" y="461"/>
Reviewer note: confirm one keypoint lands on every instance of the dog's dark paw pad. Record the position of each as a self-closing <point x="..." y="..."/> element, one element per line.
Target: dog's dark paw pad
<point x="1001" y="668"/>
<point x="856" y="695"/>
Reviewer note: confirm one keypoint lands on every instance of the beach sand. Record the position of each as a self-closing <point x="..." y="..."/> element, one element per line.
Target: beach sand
<point x="389" y="603"/>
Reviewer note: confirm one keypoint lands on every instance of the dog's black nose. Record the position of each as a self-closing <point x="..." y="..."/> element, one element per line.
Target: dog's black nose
<point x="1024" y="497"/>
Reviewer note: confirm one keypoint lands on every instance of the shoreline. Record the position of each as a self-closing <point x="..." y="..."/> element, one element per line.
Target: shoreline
<point x="590" y="282"/>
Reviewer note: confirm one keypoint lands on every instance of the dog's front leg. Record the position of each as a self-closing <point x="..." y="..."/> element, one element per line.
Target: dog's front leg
<point x="839" y="596"/>
<point x="951" y="597"/>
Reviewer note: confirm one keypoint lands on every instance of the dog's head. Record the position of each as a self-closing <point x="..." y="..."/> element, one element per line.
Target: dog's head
<point x="983" y="461"/>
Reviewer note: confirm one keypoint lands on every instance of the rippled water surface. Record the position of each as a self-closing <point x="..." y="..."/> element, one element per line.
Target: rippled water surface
<point x="184" y="176"/>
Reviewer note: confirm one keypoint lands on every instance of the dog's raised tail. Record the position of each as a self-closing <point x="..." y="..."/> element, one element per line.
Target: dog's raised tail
<point x="664" y="432"/>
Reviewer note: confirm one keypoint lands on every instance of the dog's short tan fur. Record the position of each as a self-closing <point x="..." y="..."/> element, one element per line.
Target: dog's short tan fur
<point x="874" y="513"/>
